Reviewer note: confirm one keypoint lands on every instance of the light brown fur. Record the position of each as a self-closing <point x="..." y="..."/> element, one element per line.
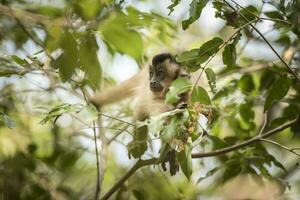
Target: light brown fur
<point x="149" y="103"/>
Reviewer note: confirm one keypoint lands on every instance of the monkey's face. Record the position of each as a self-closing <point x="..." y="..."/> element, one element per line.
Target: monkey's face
<point x="161" y="73"/>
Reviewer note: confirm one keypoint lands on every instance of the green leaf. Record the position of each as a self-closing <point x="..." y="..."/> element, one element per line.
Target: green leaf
<point x="274" y="14"/>
<point x="208" y="174"/>
<point x="185" y="161"/>
<point x="196" y="8"/>
<point x="171" y="130"/>
<point x="67" y="62"/>
<point x="246" y="112"/>
<point x="118" y="35"/>
<point x="277" y="91"/>
<point x="179" y="86"/>
<point x="229" y="55"/>
<point x="89" y="60"/>
<point x="137" y="148"/>
<point x="200" y="95"/>
<point x="8" y="122"/>
<point x="275" y="162"/>
<point x="199" y="56"/>
<point x="217" y="142"/>
<point x="19" y="60"/>
<point x="59" y="110"/>
<point x="48" y="10"/>
<point x="249" y="12"/>
<point x="211" y="77"/>
<point x="173" y="5"/>
<point x="88" y="9"/>
<point x="246" y="84"/>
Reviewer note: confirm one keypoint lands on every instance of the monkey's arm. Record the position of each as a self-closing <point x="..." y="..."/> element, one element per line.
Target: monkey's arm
<point x="119" y="92"/>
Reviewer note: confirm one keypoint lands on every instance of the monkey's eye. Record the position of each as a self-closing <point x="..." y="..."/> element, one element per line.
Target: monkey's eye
<point x="151" y="74"/>
<point x="160" y="74"/>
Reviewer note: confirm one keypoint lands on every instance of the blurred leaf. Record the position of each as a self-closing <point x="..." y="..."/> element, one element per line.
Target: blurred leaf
<point x="19" y="60"/>
<point x="274" y="14"/>
<point x="275" y="162"/>
<point x="67" y="62"/>
<point x="199" y="94"/>
<point x="179" y="86"/>
<point x="117" y="34"/>
<point x="87" y="9"/>
<point x="138" y="195"/>
<point x="173" y="5"/>
<point x="249" y="12"/>
<point x="89" y="60"/>
<point x="8" y="122"/>
<point x="217" y="142"/>
<point x="229" y="55"/>
<point x="48" y="10"/>
<point x="136" y="148"/>
<point x="196" y="7"/>
<point x="208" y="174"/>
<point x="67" y="160"/>
<point x="246" y="84"/>
<point x="232" y="169"/>
<point x="211" y="77"/>
<point x="277" y="91"/>
<point x="185" y="161"/>
<point x="246" y="112"/>
<point x="171" y="129"/>
<point x="59" y="110"/>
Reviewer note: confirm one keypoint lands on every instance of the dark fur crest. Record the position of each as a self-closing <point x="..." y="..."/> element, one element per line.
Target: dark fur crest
<point x="160" y="58"/>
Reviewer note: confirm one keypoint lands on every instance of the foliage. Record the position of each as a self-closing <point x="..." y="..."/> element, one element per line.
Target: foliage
<point x="55" y="61"/>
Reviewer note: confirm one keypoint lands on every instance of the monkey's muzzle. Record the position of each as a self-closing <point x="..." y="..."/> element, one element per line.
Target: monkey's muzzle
<point x="156" y="87"/>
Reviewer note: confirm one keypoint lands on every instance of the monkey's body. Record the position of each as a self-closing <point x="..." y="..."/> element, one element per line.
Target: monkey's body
<point x="149" y="86"/>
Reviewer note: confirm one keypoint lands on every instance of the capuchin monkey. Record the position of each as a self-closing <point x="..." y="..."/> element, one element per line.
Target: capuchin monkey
<point x="149" y="86"/>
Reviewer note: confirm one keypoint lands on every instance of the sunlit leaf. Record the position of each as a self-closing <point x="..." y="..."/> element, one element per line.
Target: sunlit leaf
<point x="196" y="8"/>
<point x="89" y="60"/>
<point x="67" y="62"/>
<point x="117" y="34"/>
<point x="179" y="86"/>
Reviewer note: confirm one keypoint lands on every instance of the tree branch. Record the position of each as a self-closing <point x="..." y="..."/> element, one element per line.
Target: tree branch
<point x="245" y="143"/>
<point x="142" y="163"/>
<point x="139" y="164"/>
<point x="96" y="197"/>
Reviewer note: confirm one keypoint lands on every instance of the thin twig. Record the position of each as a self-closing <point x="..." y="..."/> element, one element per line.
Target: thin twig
<point x="96" y="196"/>
<point x="120" y="120"/>
<point x="292" y="150"/>
<point x="117" y="135"/>
<point x="267" y="42"/>
<point x="103" y="153"/>
<point x="265" y="122"/>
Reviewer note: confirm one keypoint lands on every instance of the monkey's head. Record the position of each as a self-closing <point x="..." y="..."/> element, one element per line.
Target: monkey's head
<point x="163" y="71"/>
